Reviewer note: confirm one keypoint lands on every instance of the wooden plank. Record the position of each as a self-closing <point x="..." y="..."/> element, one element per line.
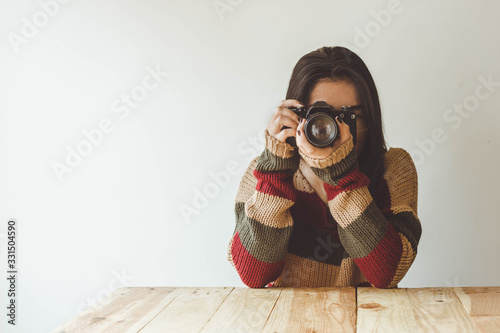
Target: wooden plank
<point x="125" y="309"/>
<point x="244" y="310"/>
<point x="440" y="308"/>
<point x="324" y="309"/>
<point x="384" y="310"/>
<point x="483" y="305"/>
<point x="189" y="311"/>
<point x="412" y="310"/>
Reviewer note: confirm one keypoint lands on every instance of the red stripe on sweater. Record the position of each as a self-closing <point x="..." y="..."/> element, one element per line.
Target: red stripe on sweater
<point x="277" y="183"/>
<point x="379" y="267"/>
<point x="310" y="209"/>
<point x="253" y="272"/>
<point x="352" y="180"/>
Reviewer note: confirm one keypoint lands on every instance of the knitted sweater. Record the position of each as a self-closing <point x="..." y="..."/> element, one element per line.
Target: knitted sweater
<point x="286" y="236"/>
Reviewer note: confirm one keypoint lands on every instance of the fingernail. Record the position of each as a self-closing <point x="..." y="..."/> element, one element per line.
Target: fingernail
<point x="298" y="132"/>
<point x="302" y="120"/>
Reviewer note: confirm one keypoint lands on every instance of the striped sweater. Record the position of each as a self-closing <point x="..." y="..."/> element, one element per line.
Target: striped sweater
<point x="286" y="236"/>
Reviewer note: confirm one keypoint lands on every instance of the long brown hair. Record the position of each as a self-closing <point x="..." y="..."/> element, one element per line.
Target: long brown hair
<point x="341" y="64"/>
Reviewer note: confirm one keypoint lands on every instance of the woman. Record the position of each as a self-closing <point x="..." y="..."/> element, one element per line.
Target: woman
<point x="344" y="215"/>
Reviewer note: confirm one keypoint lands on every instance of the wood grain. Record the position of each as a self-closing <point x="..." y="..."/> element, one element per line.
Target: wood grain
<point x="314" y="310"/>
<point x="189" y="311"/>
<point x="384" y="310"/>
<point x="244" y="310"/>
<point x="483" y="305"/>
<point x="412" y="310"/>
<point x="335" y="309"/>
<point x="124" y="310"/>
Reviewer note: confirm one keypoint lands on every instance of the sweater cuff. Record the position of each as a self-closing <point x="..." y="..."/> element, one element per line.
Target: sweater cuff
<point x="278" y="148"/>
<point x="336" y="165"/>
<point x="335" y="157"/>
<point x="277" y="156"/>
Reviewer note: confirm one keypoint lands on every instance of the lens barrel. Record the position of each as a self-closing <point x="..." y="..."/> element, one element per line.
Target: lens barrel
<point x="321" y="129"/>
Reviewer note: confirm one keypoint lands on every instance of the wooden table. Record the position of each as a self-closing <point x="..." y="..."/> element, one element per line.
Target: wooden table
<point x="344" y="309"/>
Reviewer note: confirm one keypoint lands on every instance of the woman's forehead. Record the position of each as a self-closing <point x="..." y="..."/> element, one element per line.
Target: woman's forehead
<point x="335" y="93"/>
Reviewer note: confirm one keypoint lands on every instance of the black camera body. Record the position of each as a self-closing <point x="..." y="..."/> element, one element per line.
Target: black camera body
<point x="320" y="127"/>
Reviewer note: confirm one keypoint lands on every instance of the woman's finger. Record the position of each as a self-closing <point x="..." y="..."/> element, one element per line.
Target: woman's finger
<point x="286" y="133"/>
<point x="302" y="142"/>
<point x="290" y="102"/>
<point x="281" y="121"/>
<point x="283" y="111"/>
<point x="344" y="130"/>
<point x="283" y="116"/>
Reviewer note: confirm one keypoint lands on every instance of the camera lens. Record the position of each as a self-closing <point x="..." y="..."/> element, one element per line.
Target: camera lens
<point x="321" y="130"/>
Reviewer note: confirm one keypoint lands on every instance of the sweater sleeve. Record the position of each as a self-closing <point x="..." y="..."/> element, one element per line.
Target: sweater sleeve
<point x="264" y="224"/>
<point x="382" y="241"/>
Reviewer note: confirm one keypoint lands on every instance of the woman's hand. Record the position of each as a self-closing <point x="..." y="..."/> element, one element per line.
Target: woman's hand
<point x="320" y="153"/>
<point x="284" y="117"/>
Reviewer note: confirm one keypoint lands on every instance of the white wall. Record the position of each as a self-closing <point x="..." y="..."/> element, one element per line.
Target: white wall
<point x="117" y="214"/>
